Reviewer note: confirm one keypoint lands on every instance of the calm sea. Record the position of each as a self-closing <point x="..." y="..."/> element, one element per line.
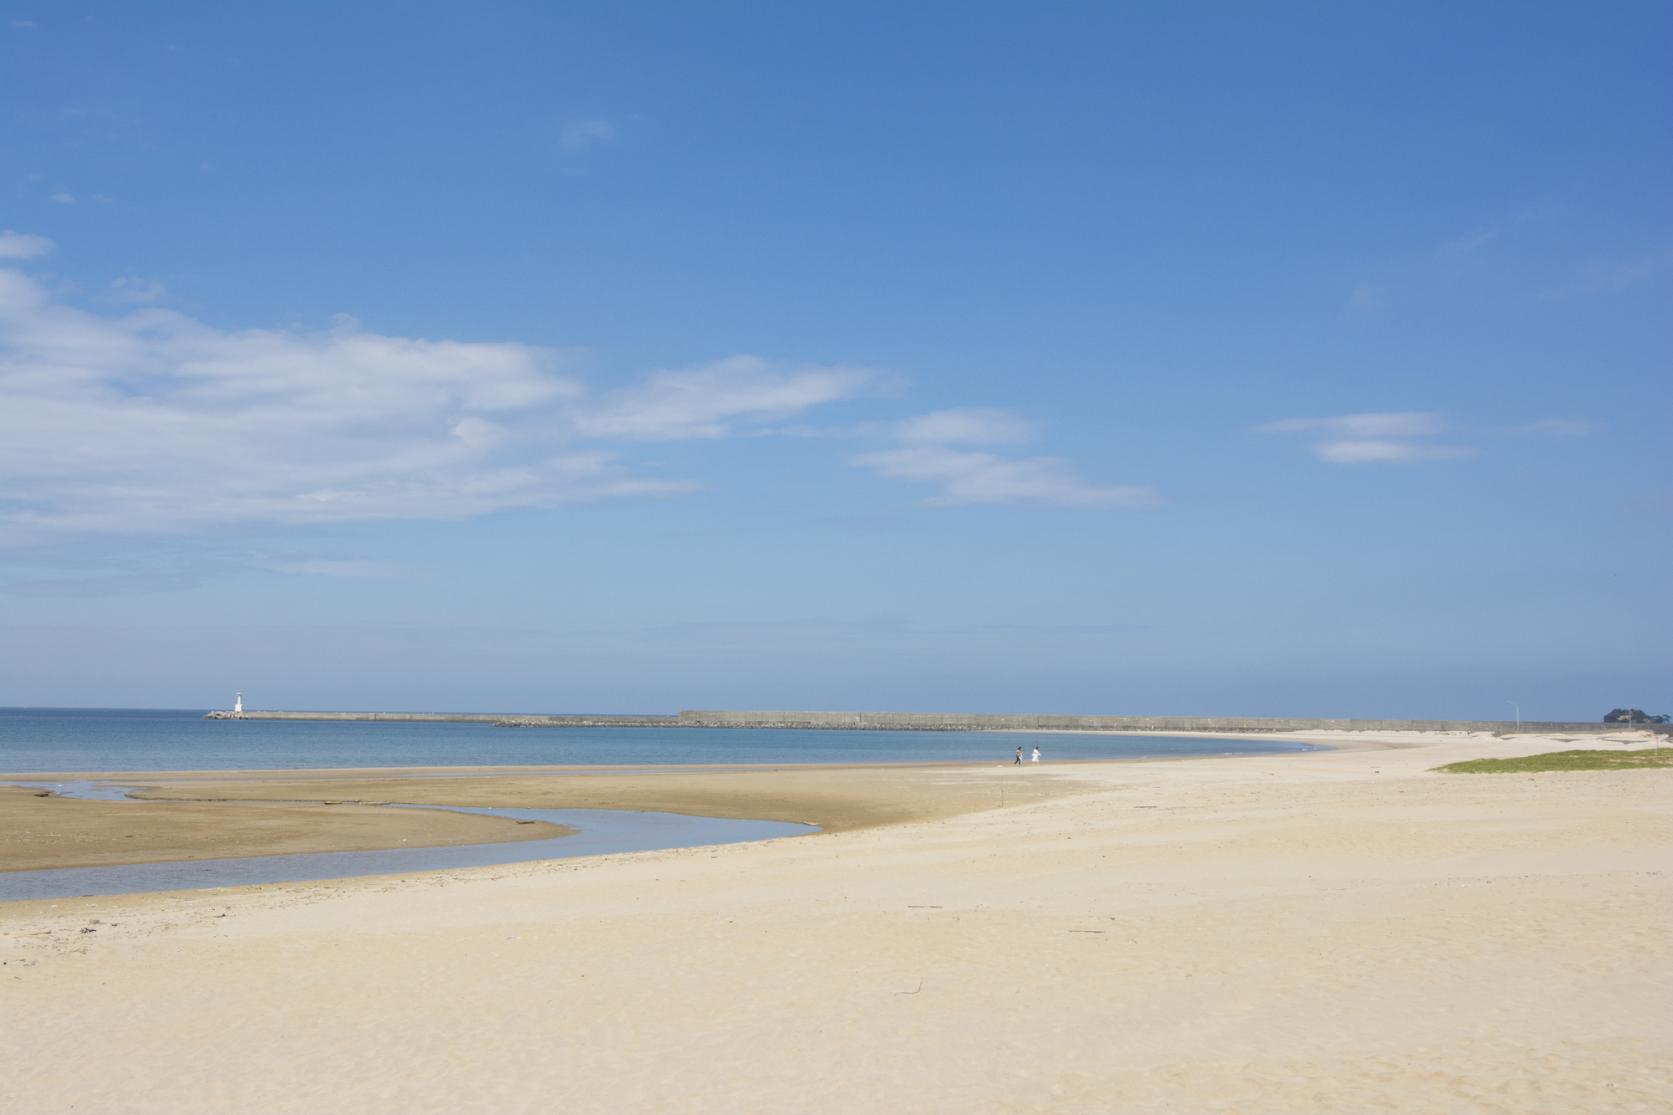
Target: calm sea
<point x="43" y="740"/>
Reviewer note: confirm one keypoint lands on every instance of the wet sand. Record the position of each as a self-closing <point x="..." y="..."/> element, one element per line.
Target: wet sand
<point x="44" y="832"/>
<point x="1327" y="932"/>
<point x="186" y="815"/>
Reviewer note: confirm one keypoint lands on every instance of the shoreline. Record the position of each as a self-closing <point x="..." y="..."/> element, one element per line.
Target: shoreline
<point x="209" y="814"/>
<point x="217" y="814"/>
<point x="1324" y="931"/>
<point x="584" y="769"/>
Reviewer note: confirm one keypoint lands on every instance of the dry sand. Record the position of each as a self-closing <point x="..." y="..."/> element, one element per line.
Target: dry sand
<point x="1329" y="932"/>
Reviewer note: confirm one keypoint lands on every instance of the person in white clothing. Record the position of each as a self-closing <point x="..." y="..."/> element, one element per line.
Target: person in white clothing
<point x="1036" y="756"/>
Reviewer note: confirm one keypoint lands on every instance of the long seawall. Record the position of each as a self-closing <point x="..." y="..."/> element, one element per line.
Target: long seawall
<point x="952" y="722"/>
<point x="502" y="719"/>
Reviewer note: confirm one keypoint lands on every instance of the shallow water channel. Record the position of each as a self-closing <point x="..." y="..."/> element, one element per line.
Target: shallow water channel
<point x="598" y="832"/>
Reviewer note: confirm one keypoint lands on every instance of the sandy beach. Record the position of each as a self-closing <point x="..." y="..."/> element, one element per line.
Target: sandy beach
<point x="184" y="815"/>
<point x="1334" y="931"/>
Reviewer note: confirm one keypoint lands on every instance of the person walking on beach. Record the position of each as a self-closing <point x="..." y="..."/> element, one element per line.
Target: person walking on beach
<point x="1036" y="757"/>
<point x="1017" y="762"/>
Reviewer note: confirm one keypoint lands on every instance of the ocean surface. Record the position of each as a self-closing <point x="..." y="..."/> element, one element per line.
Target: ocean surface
<point x="597" y="832"/>
<point x="54" y="740"/>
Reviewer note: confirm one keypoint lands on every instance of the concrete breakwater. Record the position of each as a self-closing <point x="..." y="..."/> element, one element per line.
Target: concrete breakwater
<point x="498" y="719"/>
<point x="1004" y="722"/>
<point x="952" y="722"/>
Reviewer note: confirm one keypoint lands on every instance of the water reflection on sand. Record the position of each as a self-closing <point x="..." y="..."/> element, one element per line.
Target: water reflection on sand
<point x="597" y="832"/>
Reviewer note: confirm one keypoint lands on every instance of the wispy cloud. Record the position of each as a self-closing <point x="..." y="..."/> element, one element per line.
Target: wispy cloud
<point x="1388" y="437"/>
<point x="23" y="245"/>
<point x="969" y="477"/>
<point x="63" y="197"/>
<point x="964" y="426"/>
<point x="136" y="291"/>
<point x="1486" y="234"/>
<point x="1473" y="241"/>
<point x="143" y="421"/>
<point x="1385" y="452"/>
<point x="933" y="449"/>
<point x="153" y="421"/>
<point x="1385" y="424"/>
<point x="715" y="400"/>
<point x="1416" y="276"/>
<point x="148" y="420"/>
<point x="580" y="134"/>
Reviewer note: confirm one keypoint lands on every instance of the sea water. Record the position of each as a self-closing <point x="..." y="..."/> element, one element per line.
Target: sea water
<point x="71" y="740"/>
<point x="67" y="740"/>
<point x="596" y="832"/>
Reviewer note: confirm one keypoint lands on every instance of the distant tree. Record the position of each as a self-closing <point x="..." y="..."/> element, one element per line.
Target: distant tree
<point x="1633" y="716"/>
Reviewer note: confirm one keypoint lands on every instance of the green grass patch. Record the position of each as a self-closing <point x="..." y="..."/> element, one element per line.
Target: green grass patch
<point x="1566" y="760"/>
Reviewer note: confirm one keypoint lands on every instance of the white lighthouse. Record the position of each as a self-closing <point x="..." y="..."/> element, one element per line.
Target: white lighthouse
<point x="238" y="704"/>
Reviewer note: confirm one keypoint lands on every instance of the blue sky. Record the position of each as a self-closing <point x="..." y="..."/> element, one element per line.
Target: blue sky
<point x="1183" y="358"/>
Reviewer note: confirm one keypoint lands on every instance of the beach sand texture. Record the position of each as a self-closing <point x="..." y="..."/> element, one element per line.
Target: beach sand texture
<point x="1325" y="932"/>
<point x="183" y="816"/>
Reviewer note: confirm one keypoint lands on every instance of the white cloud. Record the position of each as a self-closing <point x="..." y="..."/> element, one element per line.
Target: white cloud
<point x="143" y="420"/>
<point x="969" y="477"/>
<point x="712" y="400"/>
<point x="23" y="245"/>
<point x="133" y="289"/>
<point x="152" y="421"/>
<point x="965" y="426"/>
<point x="63" y="197"/>
<point x="1389" y="437"/>
<point x="578" y="135"/>
<point x="478" y="433"/>
<point x="1384" y="452"/>
<point x="932" y="449"/>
